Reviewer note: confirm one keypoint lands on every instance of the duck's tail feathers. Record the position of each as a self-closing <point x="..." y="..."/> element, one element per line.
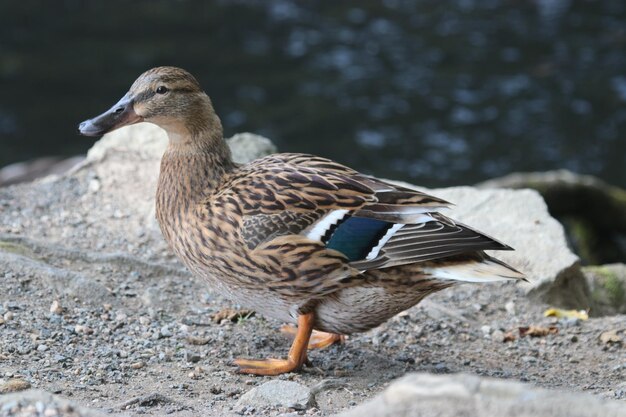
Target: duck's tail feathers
<point x="486" y="269"/>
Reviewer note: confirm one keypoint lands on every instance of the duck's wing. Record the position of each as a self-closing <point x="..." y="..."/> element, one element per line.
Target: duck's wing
<point x="321" y="210"/>
<point x="304" y="183"/>
<point x="302" y="194"/>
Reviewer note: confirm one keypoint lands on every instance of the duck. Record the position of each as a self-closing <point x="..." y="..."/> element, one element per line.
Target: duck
<point x="296" y="237"/>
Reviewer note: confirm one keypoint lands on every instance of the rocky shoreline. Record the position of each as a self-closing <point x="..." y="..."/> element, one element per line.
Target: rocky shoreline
<point x="98" y="317"/>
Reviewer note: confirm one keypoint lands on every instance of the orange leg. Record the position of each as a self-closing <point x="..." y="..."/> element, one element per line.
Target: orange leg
<point x="318" y="340"/>
<point x="295" y="359"/>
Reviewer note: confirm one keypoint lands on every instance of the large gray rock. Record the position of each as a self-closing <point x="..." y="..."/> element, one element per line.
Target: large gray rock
<point x="569" y="193"/>
<point x="428" y="395"/>
<point x="593" y="212"/>
<point x="278" y="393"/>
<point x="594" y="215"/>
<point x="520" y="219"/>
<point x="608" y="287"/>
<point x="247" y="146"/>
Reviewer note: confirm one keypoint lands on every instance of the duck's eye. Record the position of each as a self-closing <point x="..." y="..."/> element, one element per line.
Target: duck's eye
<point x="161" y="89"/>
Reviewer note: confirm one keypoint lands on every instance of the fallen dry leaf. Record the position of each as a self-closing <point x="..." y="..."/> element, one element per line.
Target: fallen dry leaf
<point x="14" y="385"/>
<point x="509" y="337"/>
<point x="537" y="331"/>
<point x="610" y="336"/>
<point x="232" y="314"/>
<point x="568" y="314"/>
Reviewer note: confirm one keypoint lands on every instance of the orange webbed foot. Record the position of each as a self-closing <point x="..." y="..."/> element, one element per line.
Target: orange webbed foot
<point x="295" y="359"/>
<point x="266" y="366"/>
<point x="318" y="340"/>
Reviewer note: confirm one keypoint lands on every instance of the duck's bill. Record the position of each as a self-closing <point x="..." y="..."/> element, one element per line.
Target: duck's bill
<point x="121" y="114"/>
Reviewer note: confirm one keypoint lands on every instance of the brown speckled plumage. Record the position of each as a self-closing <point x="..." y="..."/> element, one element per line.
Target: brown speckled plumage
<point x="281" y="234"/>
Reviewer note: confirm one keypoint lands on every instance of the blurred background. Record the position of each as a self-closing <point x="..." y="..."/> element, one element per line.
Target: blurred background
<point x="432" y="92"/>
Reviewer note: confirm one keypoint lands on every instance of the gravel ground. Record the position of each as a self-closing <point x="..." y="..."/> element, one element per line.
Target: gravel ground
<point x="107" y="355"/>
<point x="94" y="308"/>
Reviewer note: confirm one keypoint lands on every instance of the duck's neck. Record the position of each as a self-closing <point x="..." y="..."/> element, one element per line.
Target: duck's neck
<point x="192" y="166"/>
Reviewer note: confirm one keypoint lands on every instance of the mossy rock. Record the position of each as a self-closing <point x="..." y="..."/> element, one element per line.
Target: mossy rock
<point x="608" y="287"/>
<point x="593" y="212"/>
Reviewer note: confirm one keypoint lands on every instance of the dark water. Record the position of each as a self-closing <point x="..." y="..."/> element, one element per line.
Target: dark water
<point x="435" y="92"/>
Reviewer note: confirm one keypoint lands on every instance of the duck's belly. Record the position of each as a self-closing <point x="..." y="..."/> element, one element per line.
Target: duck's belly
<point x="350" y="310"/>
<point x="267" y="304"/>
<point x="359" y="309"/>
<point x="259" y="299"/>
<point x="386" y="293"/>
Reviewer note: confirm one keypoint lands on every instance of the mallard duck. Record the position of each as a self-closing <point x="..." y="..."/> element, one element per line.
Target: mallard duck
<point x="296" y="237"/>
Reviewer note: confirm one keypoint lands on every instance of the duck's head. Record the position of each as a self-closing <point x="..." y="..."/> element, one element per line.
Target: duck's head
<point x="169" y="97"/>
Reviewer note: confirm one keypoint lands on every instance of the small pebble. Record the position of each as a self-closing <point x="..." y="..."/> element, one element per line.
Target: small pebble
<point x="8" y="316"/>
<point x="94" y="185"/>
<point x="510" y="308"/>
<point x="441" y="367"/>
<point x="42" y="348"/>
<point x="194" y="375"/>
<point x="79" y="328"/>
<point x="498" y="336"/>
<point x="137" y="365"/>
<point x="165" y="332"/>
<point x="192" y="357"/>
<point x="197" y="340"/>
<point x="571" y="322"/>
<point x="486" y="330"/>
<point x="59" y="358"/>
<point x="55" y="308"/>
